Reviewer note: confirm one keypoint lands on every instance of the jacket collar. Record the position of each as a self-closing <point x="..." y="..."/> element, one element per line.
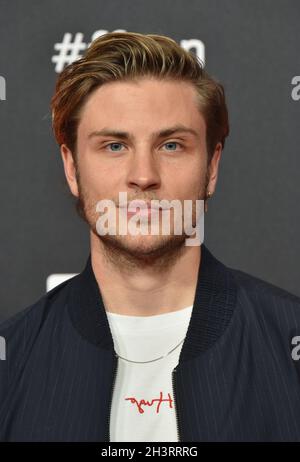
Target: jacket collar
<point x="214" y="303"/>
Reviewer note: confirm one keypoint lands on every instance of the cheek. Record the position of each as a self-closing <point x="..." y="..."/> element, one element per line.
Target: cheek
<point x="190" y="179"/>
<point x="98" y="184"/>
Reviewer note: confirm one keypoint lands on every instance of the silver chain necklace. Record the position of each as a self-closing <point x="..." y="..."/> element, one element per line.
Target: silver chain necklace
<point x="151" y="360"/>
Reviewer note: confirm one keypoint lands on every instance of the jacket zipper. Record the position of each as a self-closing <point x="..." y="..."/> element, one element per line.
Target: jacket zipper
<point x="111" y="397"/>
<point x="175" y="404"/>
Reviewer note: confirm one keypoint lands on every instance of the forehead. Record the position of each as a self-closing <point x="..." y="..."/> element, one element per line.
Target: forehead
<point x="142" y="106"/>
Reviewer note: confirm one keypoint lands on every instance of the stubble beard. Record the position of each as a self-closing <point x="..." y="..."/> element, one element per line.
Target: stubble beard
<point x="130" y="253"/>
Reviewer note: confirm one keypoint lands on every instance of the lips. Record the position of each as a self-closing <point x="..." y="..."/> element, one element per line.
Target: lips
<point x="142" y="205"/>
<point x="138" y="203"/>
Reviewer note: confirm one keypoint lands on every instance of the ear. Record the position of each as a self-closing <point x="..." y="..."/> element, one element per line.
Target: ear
<point x="213" y="168"/>
<point x="69" y="168"/>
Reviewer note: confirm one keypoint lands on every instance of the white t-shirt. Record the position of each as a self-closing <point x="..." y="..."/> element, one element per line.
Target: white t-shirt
<point x="143" y="407"/>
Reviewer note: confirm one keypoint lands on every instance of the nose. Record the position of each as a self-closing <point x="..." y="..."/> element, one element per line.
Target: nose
<point x="143" y="172"/>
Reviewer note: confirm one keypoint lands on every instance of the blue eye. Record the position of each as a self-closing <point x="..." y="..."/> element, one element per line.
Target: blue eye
<point x="171" y="142"/>
<point x="114" y="144"/>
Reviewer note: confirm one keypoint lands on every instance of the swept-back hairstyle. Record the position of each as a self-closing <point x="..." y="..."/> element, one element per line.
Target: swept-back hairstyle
<point x="128" y="56"/>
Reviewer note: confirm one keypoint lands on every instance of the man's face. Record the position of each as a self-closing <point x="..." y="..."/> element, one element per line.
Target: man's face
<point x="144" y="165"/>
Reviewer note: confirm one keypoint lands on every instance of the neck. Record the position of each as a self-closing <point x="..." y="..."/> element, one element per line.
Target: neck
<point x="150" y="287"/>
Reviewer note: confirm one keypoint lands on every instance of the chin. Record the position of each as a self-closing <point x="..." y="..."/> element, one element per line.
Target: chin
<point x="143" y="245"/>
<point x="140" y="243"/>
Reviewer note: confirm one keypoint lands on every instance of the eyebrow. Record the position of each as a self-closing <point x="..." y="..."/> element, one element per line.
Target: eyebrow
<point x="158" y="134"/>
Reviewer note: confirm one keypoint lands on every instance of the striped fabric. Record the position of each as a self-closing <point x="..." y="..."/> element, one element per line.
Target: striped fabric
<point x="237" y="379"/>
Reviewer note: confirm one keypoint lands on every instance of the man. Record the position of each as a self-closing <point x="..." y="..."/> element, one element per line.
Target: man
<point x="154" y="340"/>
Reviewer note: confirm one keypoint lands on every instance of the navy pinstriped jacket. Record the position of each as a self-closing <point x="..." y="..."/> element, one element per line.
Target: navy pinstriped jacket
<point x="236" y="380"/>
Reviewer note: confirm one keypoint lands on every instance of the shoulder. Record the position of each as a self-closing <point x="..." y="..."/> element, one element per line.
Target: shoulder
<point x="265" y="301"/>
<point x="34" y="313"/>
<point x="18" y="332"/>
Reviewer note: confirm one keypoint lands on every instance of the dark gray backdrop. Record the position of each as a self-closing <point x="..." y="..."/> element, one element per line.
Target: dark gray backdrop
<point x="253" y="47"/>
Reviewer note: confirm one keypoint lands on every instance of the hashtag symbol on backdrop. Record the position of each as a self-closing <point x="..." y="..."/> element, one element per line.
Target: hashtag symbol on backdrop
<point x="68" y="50"/>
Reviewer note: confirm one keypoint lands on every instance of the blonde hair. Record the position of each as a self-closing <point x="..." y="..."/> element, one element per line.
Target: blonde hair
<point x="128" y="56"/>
